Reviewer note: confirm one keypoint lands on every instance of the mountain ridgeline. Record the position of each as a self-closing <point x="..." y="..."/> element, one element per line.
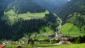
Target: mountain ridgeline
<point x="3" y="6"/>
<point x="25" y="5"/>
<point x="52" y="5"/>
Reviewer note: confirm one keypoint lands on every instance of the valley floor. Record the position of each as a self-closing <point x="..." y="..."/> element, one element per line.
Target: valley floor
<point x="68" y="46"/>
<point x="50" y="46"/>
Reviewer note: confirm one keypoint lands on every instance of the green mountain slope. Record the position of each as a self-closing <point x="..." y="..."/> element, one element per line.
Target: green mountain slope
<point x="74" y="13"/>
<point x="69" y="28"/>
<point x="25" y="9"/>
<point x="26" y="17"/>
<point x="72" y="7"/>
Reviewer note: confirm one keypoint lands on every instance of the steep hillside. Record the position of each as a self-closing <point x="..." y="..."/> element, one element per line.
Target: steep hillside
<point x="26" y="17"/>
<point x="73" y="12"/>
<point x="69" y="28"/>
<point x="25" y="6"/>
<point x="25" y="9"/>
<point x="3" y="5"/>
<point x="71" y="7"/>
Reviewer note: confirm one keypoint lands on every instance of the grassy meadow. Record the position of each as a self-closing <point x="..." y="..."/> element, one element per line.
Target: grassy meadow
<point x="72" y="29"/>
<point x="11" y="14"/>
<point x="49" y="46"/>
<point x="68" y="46"/>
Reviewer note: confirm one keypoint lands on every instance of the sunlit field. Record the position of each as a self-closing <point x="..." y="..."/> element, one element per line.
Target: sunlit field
<point x="49" y="46"/>
<point x="11" y="14"/>
<point x="71" y="29"/>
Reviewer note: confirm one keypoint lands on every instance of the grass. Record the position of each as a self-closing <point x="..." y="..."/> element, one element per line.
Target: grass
<point x="27" y="15"/>
<point x="50" y="46"/>
<point x="42" y="37"/>
<point x="45" y="30"/>
<point x="15" y="46"/>
<point x="69" y="28"/>
<point x="11" y="17"/>
<point x="68" y="46"/>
